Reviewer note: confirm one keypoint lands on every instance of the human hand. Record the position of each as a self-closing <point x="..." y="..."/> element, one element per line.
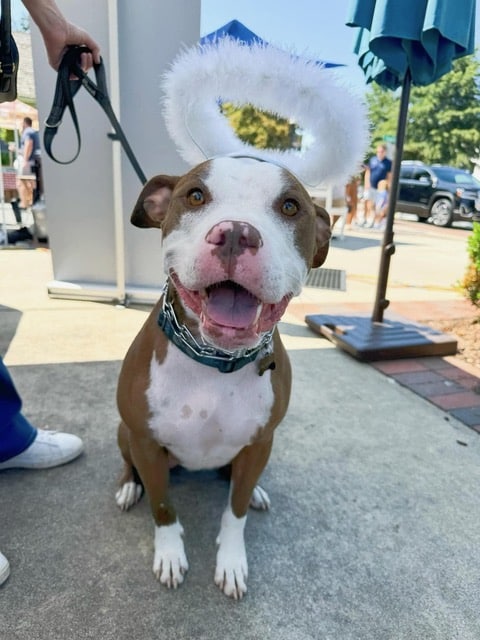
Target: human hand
<point x="57" y="42"/>
<point x="58" y="33"/>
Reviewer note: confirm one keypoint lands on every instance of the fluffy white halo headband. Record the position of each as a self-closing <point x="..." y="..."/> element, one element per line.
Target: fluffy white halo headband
<point x="271" y="80"/>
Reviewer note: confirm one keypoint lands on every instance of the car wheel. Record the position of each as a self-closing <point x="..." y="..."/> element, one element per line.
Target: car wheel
<point x="442" y="212"/>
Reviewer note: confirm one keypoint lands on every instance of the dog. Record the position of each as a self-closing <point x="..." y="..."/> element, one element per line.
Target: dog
<point x="207" y="379"/>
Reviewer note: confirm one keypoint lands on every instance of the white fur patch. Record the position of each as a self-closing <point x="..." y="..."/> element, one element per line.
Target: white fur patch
<point x="128" y="495"/>
<point x="170" y="562"/>
<point x="207" y="425"/>
<point x="232" y="569"/>
<point x="242" y="190"/>
<point x="260" y="499"/>
<point x="272" y="80"/>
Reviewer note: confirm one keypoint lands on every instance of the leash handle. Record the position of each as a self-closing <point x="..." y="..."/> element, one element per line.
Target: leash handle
<point x="69" y="80"/>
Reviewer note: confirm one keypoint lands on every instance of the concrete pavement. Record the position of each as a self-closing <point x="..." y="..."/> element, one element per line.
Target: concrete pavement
<point x="374" y="527"/>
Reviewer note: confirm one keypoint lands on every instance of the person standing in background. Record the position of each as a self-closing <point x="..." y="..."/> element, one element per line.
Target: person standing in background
<point x="29" y="187"/>
<point x="381" y="205"/>
<point x="379" y="167"/>
<point x="351" y="200"/>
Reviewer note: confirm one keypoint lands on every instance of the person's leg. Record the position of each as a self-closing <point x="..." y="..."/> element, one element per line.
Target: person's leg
<point x="25" y="191"/>
<point x="22" y="446"/>
<point x="370" y="198"/>
<point x="16" y="433"/>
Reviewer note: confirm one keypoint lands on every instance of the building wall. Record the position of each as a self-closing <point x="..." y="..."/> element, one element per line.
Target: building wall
<point x="80" y="196"/>
<point x="25" y="79"/>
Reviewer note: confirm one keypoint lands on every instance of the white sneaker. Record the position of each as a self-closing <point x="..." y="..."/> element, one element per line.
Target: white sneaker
<point x="49" y="449"/>
<point x="4" y="568"/>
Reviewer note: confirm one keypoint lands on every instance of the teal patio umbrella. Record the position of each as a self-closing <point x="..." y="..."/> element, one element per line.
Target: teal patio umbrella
<point x="400" y="43"/>
<point x="416" y="39"/>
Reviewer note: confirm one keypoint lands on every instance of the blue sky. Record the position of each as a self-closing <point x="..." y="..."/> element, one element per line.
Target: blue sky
<point x="313" y="27"/>
<point x="307" y="26"/>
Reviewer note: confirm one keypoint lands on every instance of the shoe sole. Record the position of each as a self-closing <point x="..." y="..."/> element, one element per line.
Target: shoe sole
<point x="25" y="465"/>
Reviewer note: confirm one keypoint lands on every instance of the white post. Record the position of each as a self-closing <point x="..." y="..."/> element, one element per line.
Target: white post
<point x="114" y="88"/>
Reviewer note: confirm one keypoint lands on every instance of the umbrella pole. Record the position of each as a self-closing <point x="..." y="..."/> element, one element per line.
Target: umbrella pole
<point x="388" y="245"/>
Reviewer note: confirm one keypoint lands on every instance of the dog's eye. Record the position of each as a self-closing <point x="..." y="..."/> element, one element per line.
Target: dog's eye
<point x="290" y="207"/>
<point x="195" y="198"/>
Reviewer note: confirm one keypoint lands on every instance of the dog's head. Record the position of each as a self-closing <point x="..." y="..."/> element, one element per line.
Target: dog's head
<point x="239" y="237"/>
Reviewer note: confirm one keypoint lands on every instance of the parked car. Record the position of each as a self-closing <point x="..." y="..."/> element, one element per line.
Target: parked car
<point x="437" y="192"/>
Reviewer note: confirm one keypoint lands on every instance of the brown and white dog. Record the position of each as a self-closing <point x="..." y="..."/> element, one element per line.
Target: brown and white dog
<point x="207" y="379"/>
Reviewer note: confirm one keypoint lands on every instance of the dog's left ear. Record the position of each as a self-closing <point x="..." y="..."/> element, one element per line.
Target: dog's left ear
<point x="152" y="204"/>
<point x="322" y="235"/>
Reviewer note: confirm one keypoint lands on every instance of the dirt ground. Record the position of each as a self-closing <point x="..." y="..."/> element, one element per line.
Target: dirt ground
<point x="467" y="331"/>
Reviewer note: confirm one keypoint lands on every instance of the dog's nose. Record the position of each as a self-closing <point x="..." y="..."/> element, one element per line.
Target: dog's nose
<point x="234" y="237"/>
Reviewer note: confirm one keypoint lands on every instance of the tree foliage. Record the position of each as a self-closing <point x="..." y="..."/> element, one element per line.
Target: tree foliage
<point x="259" y="128"/>
<point x="443" y="118"/>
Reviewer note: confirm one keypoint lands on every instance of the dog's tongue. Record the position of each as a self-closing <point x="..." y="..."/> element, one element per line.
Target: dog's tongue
<point x="231" y="307"/>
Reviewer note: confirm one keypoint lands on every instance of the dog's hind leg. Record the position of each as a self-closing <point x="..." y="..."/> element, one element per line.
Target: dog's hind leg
<point x="259" y="500"/>
<point x="130" y="486"/>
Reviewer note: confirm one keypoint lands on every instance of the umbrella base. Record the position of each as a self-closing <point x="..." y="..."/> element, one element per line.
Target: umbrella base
<point x="367" y="340"/>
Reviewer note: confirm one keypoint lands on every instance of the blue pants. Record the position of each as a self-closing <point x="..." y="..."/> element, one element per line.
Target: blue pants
<point x="16" y="433"/>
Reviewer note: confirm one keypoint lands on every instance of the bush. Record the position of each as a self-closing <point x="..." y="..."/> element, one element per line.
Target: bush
<point x="471" y="280"/>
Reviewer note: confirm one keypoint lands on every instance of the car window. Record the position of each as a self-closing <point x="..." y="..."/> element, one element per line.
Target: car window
<point x="422" y="175"/>
<point x="457" y="176"/>
<point x="406" y="172"/>
<point x="466" y="179"/>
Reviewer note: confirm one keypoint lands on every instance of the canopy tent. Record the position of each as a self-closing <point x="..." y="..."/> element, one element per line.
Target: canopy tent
<point x="13" y="113"/>
<point x="235" y="29"/>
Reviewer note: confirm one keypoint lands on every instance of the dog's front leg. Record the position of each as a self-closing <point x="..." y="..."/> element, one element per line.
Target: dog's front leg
<point x="169" y="562"/>
<point x="232" y="568"/>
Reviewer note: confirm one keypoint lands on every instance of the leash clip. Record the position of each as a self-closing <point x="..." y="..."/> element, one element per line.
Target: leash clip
<point x="52" y="126"/>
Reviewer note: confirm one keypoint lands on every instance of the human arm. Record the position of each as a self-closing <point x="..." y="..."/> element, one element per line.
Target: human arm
<point x="366" y="179"/>
<point x="58" y="33"/>
<point x="27" y="150"/>
<point x="389" y="180"/>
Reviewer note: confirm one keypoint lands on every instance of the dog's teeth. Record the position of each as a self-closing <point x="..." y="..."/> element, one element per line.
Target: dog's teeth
<point x="259" y="312"/>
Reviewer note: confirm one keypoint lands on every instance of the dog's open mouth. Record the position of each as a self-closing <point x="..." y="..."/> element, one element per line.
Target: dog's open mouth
<point x="230" y="315"/>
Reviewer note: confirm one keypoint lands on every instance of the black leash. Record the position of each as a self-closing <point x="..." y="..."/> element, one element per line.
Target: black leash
<point x="69" y="80"/>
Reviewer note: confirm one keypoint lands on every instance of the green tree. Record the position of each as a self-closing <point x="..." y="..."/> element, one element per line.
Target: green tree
<point x="383" y="114"/>
<point x="443" y="117"/>
<point x="259" y="128"/>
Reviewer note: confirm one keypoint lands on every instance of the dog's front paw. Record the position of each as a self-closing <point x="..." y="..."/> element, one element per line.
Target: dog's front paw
<point x="232" y="569"/>
<point x="260" y="499"/>
<point x="170" y="562"/>
<point x="128" y="495"/>
<point x="231" y="572"/>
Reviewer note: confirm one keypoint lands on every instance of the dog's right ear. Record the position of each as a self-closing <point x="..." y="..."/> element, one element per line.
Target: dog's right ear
<point x="152" y="204"/>
<point x="322" y="235"/>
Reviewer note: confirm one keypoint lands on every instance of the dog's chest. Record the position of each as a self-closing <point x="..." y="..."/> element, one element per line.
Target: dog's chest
<point x="204" y="417"/>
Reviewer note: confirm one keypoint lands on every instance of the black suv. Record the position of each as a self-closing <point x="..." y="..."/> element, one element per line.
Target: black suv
<point x="441" y="193"/>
